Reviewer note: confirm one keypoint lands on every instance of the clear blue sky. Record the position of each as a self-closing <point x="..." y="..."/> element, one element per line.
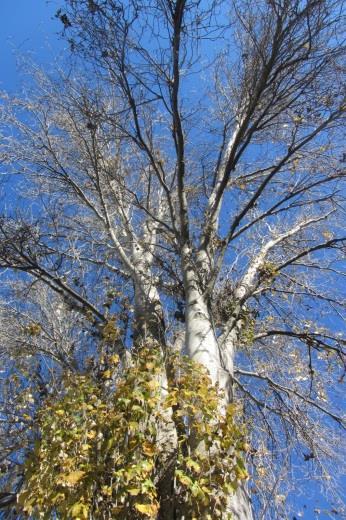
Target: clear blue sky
<point x="26" y="26"/>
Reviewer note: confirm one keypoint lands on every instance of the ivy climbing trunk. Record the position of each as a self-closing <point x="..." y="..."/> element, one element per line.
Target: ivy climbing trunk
<point x="148" y="315"/>
<point x="149" y="327"/>
<point x="202" y="346"/>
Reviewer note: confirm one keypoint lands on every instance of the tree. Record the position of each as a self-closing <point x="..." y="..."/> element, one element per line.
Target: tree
<point x="179" y="190"/>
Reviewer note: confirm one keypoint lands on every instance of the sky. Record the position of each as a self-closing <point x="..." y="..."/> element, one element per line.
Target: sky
<point x="28" y="27"/>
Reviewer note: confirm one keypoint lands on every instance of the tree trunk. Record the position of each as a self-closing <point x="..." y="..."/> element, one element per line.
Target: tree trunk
<point x="149" y="326"/>
<point x="148" y="316"/>
<point x="202" y="346"/>
<point x="239" y="504"/>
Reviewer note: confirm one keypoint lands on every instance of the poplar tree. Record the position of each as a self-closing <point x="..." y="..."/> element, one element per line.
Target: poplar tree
<point x="171" y="253"/>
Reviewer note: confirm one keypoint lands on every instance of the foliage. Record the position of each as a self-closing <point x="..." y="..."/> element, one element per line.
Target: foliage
<point x="97" y="454"/>
<point x="209" y="461"/>
<point x="33" y="329"/>
<point x="110" y="331"/>
<point x="268" y="271"/>
<point x="247" y="335"/>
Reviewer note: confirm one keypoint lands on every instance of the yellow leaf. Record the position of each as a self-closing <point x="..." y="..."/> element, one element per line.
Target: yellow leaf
<point x="79" y="510"/>
<point x="184" y="479"/>
<point x="60" y="412"/>
<point x="133" y="492"/>
<point x="114" y="359"/>
<point x="106" y="490"/>
<point x="148" y="449"/>
<point x="59" y="497"/>
<point x="147" y="466"/>
<point x="192" y="464"/>
<point x="152" y="385"/>
<point x="72" y="478"/>
<point x="107" y="374"/>
<point x="149" y="510"/>
<point x="133" y="426"/>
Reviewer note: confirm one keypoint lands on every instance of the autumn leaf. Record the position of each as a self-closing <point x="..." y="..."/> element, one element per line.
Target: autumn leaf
<point x="134" y="491"/>
<point x="72" y="478"/>
<point x="184" y="479"/>
<point x="149" y="449"/>
<point x="191" y="464"/>
<point x="107" y="374"/>
<point x="106" y="490"/>
<point x="152" y="385"/>
<point x="79" y="510"/>
<point x="149" y="510"/>
<point x="114" y="359"/>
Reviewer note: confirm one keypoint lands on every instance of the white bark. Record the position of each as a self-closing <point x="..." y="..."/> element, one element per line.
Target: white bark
<point x="239" y="504"/>
<point x="202" y="346"/>
<point x="148" y="308"/>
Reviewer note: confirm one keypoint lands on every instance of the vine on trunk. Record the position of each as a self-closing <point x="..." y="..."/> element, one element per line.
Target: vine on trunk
<point x="97" y="454"/>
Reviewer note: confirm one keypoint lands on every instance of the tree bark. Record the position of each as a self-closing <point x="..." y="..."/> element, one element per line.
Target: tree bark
<point x="202" y="346"/>
<point x="149" y="326"/>
<point x="148" y="313"/>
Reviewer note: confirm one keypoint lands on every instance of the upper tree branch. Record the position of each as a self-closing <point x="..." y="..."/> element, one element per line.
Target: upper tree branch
<point x="177" y="130"/>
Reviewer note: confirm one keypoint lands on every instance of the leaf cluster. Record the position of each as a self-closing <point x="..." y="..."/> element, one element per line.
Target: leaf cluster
<point x="98" y="453"/>
<point x="210" y="441"/>
<point x="268" y="271"/>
